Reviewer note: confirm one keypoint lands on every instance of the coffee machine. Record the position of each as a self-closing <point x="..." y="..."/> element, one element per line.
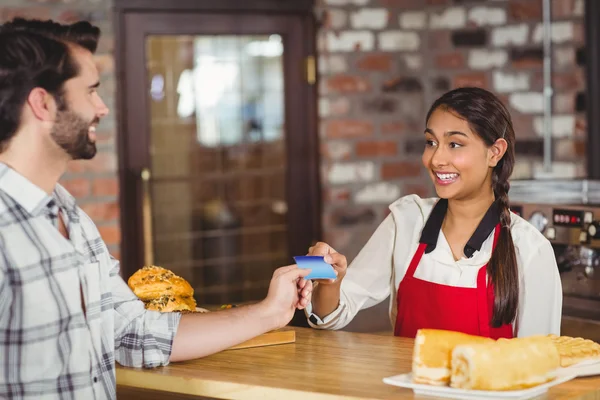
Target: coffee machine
<point x="567" y="213"/>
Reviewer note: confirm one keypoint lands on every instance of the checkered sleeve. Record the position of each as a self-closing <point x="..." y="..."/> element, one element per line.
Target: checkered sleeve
<point x="143" y="338"/>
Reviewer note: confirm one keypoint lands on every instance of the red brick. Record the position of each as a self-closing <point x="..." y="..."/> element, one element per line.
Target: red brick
<point x="523" y="125"/>
<point x="581" y="127"/>
<point x="418" y="189"/>
<point x="375" y="62"/>
<point x="7" y="14"/>
<point x="348" y="84"/>
<point x="563" y="8"/>
<point x="523" y="10"/>
<point x="400" y="169"/>
<point x="102" y="162"/>
<point x="569" y="150"/>
<point x="527" y="63"/>
<point x="578" y="33"/>
<point x="568" y="81"/>
<point x="450" y="60"/>
<point x="348" y="128"/>
<point x="564" y="103"/>
<point x="336" y="195"/>
<point x="102" y="212"/>
<point x="105" y="187"/>
<point x="395" y="128"/>
<point x="478" y="79"/>
<point x="79" y="187"/>
<point x="376" y="149"/>
<point x="111" y="234"/>
<point x="76" y="167"/>
<point x="440" y="40"/>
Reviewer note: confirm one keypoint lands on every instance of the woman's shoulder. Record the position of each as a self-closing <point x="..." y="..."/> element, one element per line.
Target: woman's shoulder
<point x="527" y="238"/>
<point x="412" y="207"/>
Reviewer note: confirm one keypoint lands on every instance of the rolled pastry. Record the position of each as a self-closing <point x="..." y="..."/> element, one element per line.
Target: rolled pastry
<point x="507" y="364"/>
<point x="432" y="354"/>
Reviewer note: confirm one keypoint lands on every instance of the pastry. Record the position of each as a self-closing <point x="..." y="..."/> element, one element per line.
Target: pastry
<point x="150" y="283"/>
<point x="432" y="354"/>
<point x="506" y="364"/>
<point x="161" y="290"/>
<point x="170" y="303"/>
<point x="575" y="350"/>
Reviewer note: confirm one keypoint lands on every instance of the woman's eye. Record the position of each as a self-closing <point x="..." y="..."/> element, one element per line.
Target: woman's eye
<point x="429" y="143"/>
<point x="454" y="145"/>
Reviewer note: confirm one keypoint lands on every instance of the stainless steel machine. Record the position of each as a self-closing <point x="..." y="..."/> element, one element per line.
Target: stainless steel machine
<point x="567" y="212"/>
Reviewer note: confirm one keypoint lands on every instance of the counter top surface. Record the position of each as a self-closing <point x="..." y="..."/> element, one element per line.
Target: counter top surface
<point x="319" y="365"/>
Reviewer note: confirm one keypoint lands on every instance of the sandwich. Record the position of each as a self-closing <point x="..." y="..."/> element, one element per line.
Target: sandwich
<point x="431" y="363"/>
<point x="161" y="290"/>
<point x="505" y="364"/>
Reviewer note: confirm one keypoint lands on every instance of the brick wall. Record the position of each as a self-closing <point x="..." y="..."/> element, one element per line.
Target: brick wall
<point x="382" y="64"/>
<point x="94" y="183"/>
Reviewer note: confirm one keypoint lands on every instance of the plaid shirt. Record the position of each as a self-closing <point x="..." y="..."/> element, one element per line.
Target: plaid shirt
<point x="50" y="348"/>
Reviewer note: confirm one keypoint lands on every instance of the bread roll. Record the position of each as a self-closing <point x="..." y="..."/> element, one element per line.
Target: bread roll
<point x="507" y="364"/>
<point x="150" y="283"/>
<point x="433" y="353"/>
<point x="170" y="303"/>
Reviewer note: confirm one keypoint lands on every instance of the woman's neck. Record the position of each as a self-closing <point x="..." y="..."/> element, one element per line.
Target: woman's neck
<point x="469" y="212"/>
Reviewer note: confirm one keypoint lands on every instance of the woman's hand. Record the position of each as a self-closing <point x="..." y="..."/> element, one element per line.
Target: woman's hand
<point x="337" y="261"/>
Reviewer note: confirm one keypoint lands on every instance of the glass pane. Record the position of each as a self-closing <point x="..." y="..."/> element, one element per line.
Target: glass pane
<point x="217" y="148"/>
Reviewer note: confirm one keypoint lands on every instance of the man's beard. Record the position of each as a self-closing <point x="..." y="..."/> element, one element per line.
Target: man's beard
<point x="71" y="132"/>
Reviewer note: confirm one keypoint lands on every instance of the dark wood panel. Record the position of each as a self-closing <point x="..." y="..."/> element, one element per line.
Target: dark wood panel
<point x="592" y="47"/>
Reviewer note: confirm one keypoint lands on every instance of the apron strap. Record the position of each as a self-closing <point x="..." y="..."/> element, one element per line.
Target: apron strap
<point x="414" y="263"/>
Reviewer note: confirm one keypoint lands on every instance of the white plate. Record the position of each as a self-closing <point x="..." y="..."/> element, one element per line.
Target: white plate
<point x="405" y="381"/>
<point x="584" y="368"/>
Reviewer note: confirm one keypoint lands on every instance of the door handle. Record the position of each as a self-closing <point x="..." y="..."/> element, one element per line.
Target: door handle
<point x="147" y="218"/>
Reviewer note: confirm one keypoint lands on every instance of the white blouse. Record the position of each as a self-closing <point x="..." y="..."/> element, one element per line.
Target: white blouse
<point x="377" y="270"/>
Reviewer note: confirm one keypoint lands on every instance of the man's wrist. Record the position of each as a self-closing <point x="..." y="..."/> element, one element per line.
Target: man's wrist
<point x="269" y="316"/>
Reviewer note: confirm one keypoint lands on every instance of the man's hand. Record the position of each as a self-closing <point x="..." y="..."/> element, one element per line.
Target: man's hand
<point x="288" y="291"/>
<point x="337" y="261"/>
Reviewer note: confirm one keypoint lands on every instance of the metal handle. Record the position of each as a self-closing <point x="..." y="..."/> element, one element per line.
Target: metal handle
<point x="147" y="218"/>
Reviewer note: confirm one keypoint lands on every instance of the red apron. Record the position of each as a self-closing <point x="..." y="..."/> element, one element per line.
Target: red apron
<point x="423" y="304"/>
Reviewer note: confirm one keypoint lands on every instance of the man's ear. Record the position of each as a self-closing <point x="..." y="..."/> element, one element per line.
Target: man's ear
<point x="42" y="105"/>
<point x="496" y="152"/>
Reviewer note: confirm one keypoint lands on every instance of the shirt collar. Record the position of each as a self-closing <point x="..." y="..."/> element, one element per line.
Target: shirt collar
<point x="431" y="230"/>
<point x="30" y="196"/>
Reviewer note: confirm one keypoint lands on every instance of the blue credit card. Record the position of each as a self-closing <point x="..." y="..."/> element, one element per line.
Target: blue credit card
<point x="319" y="268"/>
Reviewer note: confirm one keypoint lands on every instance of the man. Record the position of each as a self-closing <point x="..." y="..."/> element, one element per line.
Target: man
<point x="66" y="315"/>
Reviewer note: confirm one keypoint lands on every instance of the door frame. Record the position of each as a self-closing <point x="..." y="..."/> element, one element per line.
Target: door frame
<point x="135" y="17"/>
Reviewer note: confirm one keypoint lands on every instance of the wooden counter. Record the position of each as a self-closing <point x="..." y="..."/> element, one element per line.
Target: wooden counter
<point x="320" y="365"/>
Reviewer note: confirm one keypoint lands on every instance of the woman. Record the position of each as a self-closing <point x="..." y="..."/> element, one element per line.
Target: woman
<point x="462" y="262"/>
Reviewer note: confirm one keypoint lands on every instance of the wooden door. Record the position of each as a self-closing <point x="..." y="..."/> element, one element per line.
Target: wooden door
<point x="218" y="143"/>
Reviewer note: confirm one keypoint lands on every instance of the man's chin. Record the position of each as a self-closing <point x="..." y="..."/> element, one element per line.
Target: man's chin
<point x="86" y="154"/>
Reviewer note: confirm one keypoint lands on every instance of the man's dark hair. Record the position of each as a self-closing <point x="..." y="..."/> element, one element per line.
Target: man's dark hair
<point x="81" y="33"/>
<point x="34" y="54"/>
